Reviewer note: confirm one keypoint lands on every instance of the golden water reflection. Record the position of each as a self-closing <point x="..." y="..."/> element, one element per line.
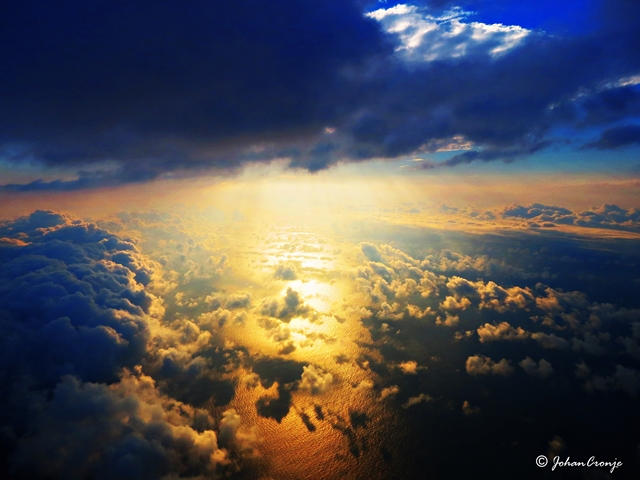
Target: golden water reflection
<point x="331" y="422"/>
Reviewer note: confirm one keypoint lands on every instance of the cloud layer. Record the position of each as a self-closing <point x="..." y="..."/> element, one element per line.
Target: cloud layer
<point x="116" y="94"/>
<point x="78" y="321"/>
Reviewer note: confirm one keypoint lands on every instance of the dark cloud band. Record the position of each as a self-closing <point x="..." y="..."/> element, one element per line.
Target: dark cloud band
<point x="156" y="89"/>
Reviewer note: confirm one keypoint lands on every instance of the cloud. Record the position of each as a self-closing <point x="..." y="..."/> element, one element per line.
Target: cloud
<point x="363" y="386"/>
<point x="170" y="90"/>
<point x="451" y="304"/>
<point x="617" y="137"/>
<point x="189" y="362"/>
<point x="605" y="216"/>
<point x="285" y="272"/>
<point x="238" y="300"/>
<point x="422" y="398"/>
<point x="507" y="155"/>
<point x="169" y="81"/>
<point x="410" y="367"/>
<point x="371" y="251"/>
<point x="449" y="321"/>
<point x="291" y="305"/>
<point x="481" y="365"/>
<point x="72" y="300"/>
<point x="82" y="336"/>
<point x="314" y="380"/>
<point x="624" y="379"/>
<point x="550" y="340"/>
<point x="126" y="430"/>
<point x="388" y="392"/>
<point x="502" y="331"/>
<point x="447" y="261"/>
<point x="427" y="38"/>
<point x="231" y="431"/>
<point x="490" y="295"/>
<point x="541" y="369"/>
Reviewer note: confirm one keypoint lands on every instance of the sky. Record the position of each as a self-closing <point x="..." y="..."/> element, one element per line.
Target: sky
<point x="323" y="240"/>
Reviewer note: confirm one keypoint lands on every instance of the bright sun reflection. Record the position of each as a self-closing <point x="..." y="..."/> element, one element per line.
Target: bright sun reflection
<point x="319" y="296"/>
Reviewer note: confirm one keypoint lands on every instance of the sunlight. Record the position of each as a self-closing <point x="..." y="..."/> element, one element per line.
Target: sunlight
<point x="320" y="296"/>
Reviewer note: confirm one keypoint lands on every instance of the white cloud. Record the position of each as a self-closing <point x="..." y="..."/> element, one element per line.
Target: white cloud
<point x="314" y="380"/>
<point x="426" y="38"/>
<point x="242" y="438"/>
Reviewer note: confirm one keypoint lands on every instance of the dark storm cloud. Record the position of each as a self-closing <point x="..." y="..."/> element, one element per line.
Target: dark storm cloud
<point x="610" y="104"/>
<point x="166" y="80"/>
<point x="617" y="137"/>
<point x="506" y="155"/>
<point x="173" y="88"/>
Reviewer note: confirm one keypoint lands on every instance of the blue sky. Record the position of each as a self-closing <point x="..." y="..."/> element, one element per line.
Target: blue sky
<point x="567" y="17"/>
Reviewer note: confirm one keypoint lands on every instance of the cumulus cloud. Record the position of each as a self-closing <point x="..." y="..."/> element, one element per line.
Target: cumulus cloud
<point x="490" y="295"/>
<point x="363" y="386"/>
<point x="238" y="300"/>
<point x="422" y="398"/>
<point x="623" y="378"/>
<point x="291" y="305"/>
<point x="125" y="430"/>
<point x="447" y="261"/>
<point x="410" y="367"/>
<point x="285" y="272"/>
<point x="605" y="216"/>
<point x="550" y="340"/>
<point x="481" y="365"/>
<point x="70" y="301"/>
<point x="244" y="439"/>
<point x="427" y="38"/>
<point x="502" y="331"/>
<point x="388" y="392"/>
<point x="451" y="304"/>
<point x="449" y="320"/>
<point x="250" y="380"/>
<point x="314" y="380"/>
<point x="79" y="319"/>
<point x="371" y="251"/>
<point x="389" y="312"/>
<point x="541" y="369"/>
